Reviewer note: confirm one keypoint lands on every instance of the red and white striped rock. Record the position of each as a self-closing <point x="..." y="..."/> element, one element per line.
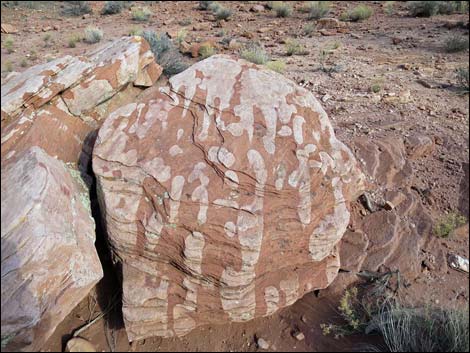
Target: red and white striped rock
<point x="76" y="88"/>
<point x="49" y="261"/>
<point x="224" y="197"/>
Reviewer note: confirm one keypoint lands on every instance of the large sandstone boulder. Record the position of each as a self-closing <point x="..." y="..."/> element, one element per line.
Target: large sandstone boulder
<point x="224" y="197"/>
<point x="49" y="262"/>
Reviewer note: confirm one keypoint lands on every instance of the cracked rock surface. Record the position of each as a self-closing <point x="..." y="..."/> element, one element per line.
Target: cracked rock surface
<point x="224" y="196"/>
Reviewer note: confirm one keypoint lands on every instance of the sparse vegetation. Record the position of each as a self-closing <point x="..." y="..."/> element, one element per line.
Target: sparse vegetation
<point x="325" y="53"/>
<point x="111" y="8"/>
<point x="92" y="35"/>
<point x="181" y="35"/>
<point x="375" y="88"/>
<point x="276" y="65"/>
<point x="204" y="5"/>
<point x="431" y="8"/>
<point x="33" y="55"/>
<point x="389" y="7"/>
<point x="448" y="223"/>
<point x="206" y="50"/>
<point x="186" y="22"/>
<point x="293" y="47"/>
<point x="73" y="40"/>
<point x="255" y="53"/>
<point x="214" y="6"/>
<point x="77" y="8"/>
<point x="308" y="29"/>
<point x="8" y="45"/>
<point x="463" y="79"/>
<point x="24" y="62"/>
<point x="166" y="54"/>
<point x="223" y="13"/>
<point x="281" y="9"/>
<point x="141" y="14"/>
<point x="456" y="44"/>
<point x="318" y="9"/>
<point x="359" y="13"/>
<point x="47" y="40"/>
<point x="136" y="31"/>
<point x="8" y="66"/>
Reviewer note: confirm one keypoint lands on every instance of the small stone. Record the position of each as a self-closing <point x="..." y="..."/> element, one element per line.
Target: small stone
<point x="257" y="8"/>
<point x="262" y="343"/>
<point x="326" y="97"/>
<point x="85" y="16"/>
<point x="389" y="206"/>
<point x="303" y="319"/>
<point x="78" y="344"/>
<point x="396" y="40"/>
<point x="47" y="29"/>
<point x="8" y="28"/>
<point x="325" y="32"/>
<point x="299" y="336"/>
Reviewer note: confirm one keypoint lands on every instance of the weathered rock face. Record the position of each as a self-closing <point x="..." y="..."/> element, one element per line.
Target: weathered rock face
<point x="49" y="262"/>
<point x="68" y="96"/>
<point x="224" y="197"/>
<point x="50" y="114"/>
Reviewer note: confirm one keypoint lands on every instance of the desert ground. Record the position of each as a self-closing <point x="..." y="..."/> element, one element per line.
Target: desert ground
<point x="387" y="76"/>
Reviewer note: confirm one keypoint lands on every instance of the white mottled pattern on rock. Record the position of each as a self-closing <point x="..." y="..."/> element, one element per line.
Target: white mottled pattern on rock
<point x="230" y="186"/>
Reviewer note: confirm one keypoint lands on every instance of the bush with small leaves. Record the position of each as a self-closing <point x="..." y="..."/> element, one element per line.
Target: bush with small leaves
<point x="166" y="54"/>
<point x="360" y="13"/>
<point x="185" y="22"/>
<point x="24" y="62"/>
<point x="111" y="8"/>
<point x="293" y="47"/>
<point x="92" y="35"/>
<point x="276" y="65"/>
<point x="255" y="54"/>
<point x="206" y="50"/>
<point x="214" y="6"/>
<point x="8" y="45"/>
<point x="8" y="66"/>
<point x="223" y="13"/>
<point x="47" y="40"/>
<point x="181" y="35"/>
<point x="77" y="8"/>
<point x="136" y="31"/>
<point x="308" y="29"/>
<point x="33" y="55"/>
<point x="141" y="14"/>
<point x="456" y="44"/>
<point x="463" y="79"/>
<point x="318" y="9"/>
<point x="448" y="223"/>
<point x="423" y="8"/>
<point x="204" y="5"/>
<point x="73" y="40"/>
<point x="388" y="7"/>
<point x="282" y="9"/>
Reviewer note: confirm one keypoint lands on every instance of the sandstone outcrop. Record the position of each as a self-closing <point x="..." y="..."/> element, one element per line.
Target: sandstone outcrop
<point x="49" y="115"/>
<point x="224" y="197"/>
<point x="69" y="96"/>
<point x="49" y="262"/>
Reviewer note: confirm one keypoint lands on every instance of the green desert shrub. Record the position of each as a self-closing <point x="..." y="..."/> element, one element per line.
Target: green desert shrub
<point x="8" y="66"/>
<point x="281" y="9"/>
<point x="431" y="8"/>
<point x="206" y="50"/>
<point x="166" y="54"/>
<point x="204" y="5"/>
<point x="293" y="47"/>
<point x="389" y="7"/>
<point x="308" y="29"/>
<point x="9" y="45"/>
<point x="73" y="40"/>
<point x="463" y="79"/>
<point x="223" y="13"/>
<point x="141" y="14"/>
<point x="92" y="35"/>
<point x="276" y="65"/>
<point x="318" y="9"/>
<point x="77" y="8"/>
<point x="254" y="53"/>
<point x="456" y="44"/>
<point x="111" y="8"/>
<point x="136" y="31"/>
<point x="448" y="223"/>
<point x="360" y="13"/>
<point x="24" y="62"/>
